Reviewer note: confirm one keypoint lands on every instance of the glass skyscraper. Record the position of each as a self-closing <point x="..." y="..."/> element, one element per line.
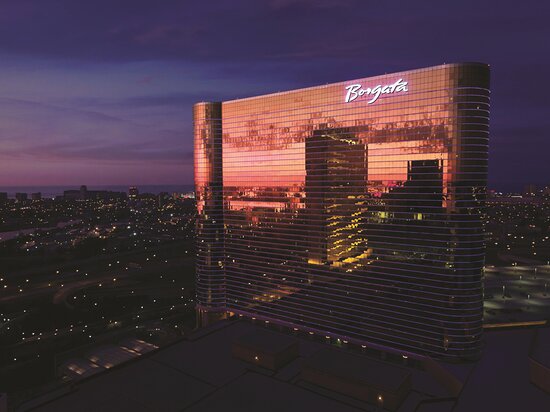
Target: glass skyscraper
<point x="351" y="210"/>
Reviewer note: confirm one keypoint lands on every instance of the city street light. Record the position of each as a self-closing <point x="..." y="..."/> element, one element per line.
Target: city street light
<point x="380" y="402"/>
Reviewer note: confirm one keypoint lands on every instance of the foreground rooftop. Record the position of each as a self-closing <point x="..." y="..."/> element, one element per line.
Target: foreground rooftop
<point x="204" y="373"/>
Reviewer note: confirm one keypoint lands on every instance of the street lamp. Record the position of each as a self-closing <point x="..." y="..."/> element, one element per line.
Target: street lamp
<point x="380" y="401"/>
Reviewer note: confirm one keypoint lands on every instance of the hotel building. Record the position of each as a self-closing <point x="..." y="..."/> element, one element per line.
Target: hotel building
<point x="351" y="210"/>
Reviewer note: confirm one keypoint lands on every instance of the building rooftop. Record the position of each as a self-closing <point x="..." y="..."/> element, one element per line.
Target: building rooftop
<point x="201" y="374"/>
<point x="267" y="341"/>
<point x="359" y="368"/>
<point x="541" y="347"/>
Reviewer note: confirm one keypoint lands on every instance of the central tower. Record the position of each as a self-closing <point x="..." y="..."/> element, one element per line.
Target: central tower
<point x="351" y="210"/>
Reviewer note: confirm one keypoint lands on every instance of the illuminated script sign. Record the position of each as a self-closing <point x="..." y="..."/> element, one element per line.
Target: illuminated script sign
<point x="356" y="90"/>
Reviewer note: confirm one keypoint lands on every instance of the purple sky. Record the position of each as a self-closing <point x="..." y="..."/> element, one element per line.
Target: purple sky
<point x="100" y="92"/>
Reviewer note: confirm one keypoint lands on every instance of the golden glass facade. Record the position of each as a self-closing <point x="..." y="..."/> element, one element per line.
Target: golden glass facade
<point x="353" y="218"/>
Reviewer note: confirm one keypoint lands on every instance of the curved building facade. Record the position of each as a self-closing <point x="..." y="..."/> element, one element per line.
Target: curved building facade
<point x="352" y="210"/>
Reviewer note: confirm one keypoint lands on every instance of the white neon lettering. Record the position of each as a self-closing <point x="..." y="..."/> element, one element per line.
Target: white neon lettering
<point x="355" y="90"/>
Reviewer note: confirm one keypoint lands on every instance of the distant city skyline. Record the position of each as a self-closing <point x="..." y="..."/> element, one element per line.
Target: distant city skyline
<point x="101" y="93"/>
<point x="55" y="190"/>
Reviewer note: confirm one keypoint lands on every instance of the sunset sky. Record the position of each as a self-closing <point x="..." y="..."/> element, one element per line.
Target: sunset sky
<point x="100" y="92"/>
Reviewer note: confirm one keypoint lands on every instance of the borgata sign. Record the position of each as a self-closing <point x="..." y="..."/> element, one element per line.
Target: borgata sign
<point x="356" y="90"/>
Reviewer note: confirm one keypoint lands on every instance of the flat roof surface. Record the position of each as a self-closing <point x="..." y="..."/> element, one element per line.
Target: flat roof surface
<point x="200" y="374"/>
<point x="253" y="392"/>
<point x="359" y="368"/>
<point x="266" y="341"/>
<point x="541" y="348"/>
<point x="500" y="380"/>
<point x="145" y="385"/>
